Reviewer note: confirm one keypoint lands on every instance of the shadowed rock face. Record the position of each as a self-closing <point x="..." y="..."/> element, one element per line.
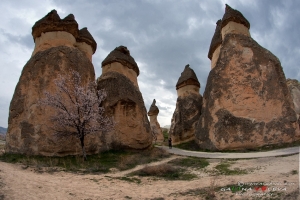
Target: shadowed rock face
<point x="28" y="124"/>
<point x="124" y="101"/>
<point x="155" y="126"/>
<point x="185" y="117"/>
<point x="294" y="87"/>
<point x="246" y="100"/>
<point x="216" y="40"/>
<point x="188" y="107"/>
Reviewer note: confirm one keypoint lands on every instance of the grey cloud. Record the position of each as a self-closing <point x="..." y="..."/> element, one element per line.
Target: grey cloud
<point x="158" y="36"/>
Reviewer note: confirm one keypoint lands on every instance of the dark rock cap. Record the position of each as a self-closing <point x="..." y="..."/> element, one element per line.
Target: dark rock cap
<point x="122" y="55"/>
<point x="216" y="40"/>
<point x="293" y="82"/>
<point x="85" y="36"/>
<point x="153" y="109"/>
<point x="188" y="77"/>
<point x="235" y="16"/>
<point x="52" y="22"/>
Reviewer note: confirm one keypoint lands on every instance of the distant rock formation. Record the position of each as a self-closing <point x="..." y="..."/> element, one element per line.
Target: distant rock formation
<point x="3" y="130"/>
<point x="294" y="87"/>
<point x="155" y="126"/>
<point x="2" y="133"/>
<point x="124" y="101"/>
<point x="59" y="47"/>
<point x="246" y="100"/>
<point x="188" y="107"/>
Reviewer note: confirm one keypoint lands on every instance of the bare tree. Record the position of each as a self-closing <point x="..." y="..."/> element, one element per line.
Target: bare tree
<point x="79" y="110"/>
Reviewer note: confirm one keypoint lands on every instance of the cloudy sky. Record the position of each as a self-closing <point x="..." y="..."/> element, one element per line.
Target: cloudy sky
<point x="162" y="36"/>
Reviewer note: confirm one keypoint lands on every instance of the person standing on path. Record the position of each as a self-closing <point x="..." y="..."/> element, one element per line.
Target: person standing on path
<point x="170" y="143"/>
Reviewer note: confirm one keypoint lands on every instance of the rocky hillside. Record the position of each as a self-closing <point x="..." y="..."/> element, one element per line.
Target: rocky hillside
<point x="3" y="130"/>
<point x="2" y="133"/>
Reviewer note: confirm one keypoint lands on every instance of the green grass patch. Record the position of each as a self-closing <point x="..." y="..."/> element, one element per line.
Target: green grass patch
<point x="166" y="135"/>
<point x="98" y="163"/>
<point x="223" y="168"/>
<point x="192" y="162"/>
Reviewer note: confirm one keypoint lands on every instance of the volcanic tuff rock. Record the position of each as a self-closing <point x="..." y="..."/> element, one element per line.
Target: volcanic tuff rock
<point x="55" y="53"/>
<point x="188" y="107"/>
<point x="246" y="103"/>
<point x="294" y="87"/>
<point x="51" y="31"/>
<point x="155" y="126"/>
<point x="124" y="101"/>
<point x="216" y="40"/>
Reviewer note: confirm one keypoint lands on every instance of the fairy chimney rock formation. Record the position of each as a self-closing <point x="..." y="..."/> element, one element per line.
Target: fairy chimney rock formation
<point x="188" y="107"/>
<point x="187" y="83"/>
<point x="52" y="31"/>
<point x="59" y="48"/>
<point x="119" y="60"/>
<point x="215" y="45"/>
<point x="155" y="126"/>
<point x="246" y="103"/>
<point x="234" y="22"/>
<point x="294" y="87"/>
<point x="124" y="101"/>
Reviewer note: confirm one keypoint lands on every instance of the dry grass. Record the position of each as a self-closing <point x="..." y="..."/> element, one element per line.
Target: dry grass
<point x="98" y="163"/>
<point x="165" y="171"/>
<point x="158" y="170"/>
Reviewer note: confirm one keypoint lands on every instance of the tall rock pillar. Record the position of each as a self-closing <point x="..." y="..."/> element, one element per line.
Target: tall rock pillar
<point x="124" y="101"/>
<point x="155" y="126"/>
<point x="188" y="107"/>
<point x="246" y="103"/>
<point x="294" y="87"/>
<point x="59" y="47"/>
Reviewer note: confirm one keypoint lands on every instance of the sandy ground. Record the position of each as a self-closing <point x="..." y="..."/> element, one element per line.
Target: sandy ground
<point x="19" y="182"/>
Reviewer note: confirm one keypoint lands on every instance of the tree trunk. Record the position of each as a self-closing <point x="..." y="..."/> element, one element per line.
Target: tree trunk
<point x="83" y="149"/>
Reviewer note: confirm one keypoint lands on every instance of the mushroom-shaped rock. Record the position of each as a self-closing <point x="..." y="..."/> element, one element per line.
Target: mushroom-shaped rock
<point x="232" y="15"/>
<point x="124" y="101"/>
<point x="119" y="60"/>
<point x="187" y="82"/>
<point x="234" y="22"/>
<point x="52" y="22"/>
<point x="51" y="31"/>
<point x="153" y="109"/>
<point x="86" y="43"/>
<point x="28" y="123"/>
<point x="188" y="77"/>
<point x="188" y="107"/>
<point x="294" y="87"/>
<point x="122" y="55"/>
<point x="246" y="103"/>
<point x="155" y="126"/>
<point x="85" y="36"/>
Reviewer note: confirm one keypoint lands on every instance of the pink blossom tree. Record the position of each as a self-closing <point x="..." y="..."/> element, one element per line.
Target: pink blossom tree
<point x="79" y="110"/>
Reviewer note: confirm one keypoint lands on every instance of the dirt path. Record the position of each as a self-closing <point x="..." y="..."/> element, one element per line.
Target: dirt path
<point x="18" y="183"/>
<point x="262" y="154"/>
